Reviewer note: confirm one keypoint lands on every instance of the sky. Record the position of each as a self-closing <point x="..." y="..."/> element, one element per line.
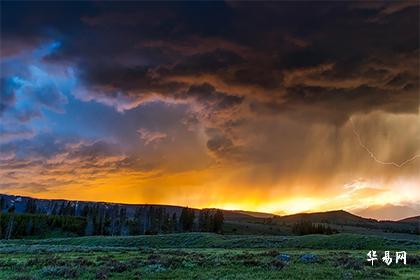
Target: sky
<point x="279" y="107"/>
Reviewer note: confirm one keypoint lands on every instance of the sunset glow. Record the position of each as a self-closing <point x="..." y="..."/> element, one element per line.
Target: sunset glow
<point x="213" y="106"/>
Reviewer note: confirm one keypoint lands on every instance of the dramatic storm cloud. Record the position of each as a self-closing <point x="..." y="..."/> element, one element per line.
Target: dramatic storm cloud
<point x="280" y="107"/>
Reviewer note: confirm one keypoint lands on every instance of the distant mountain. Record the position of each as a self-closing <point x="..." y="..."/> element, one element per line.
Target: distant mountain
<point x="343" y="218"/>
<point x="50" y="206"/>
<point x="333" y="217"/>
<point x="415" y="219"/>
<point x="126" y="219"/>
<point x="74" y="207"/>
<point x="388" y="212"/>
<point x="238" y="214"/>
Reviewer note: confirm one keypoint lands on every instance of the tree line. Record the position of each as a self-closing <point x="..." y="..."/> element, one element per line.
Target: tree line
<point x="21" y="225"/>
<point x="100" y="219"/>
<point x="307" y="227"/>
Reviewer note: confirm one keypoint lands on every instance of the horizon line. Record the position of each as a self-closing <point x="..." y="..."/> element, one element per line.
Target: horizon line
<point x="196" y="208"/>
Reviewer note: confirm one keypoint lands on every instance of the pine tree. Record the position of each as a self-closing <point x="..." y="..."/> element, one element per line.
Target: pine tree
<point x="187" y="219"/>
<point x="218" y="220"/>
<point x="115" y="228"/>
<point x="2" y="203"/>
<point x="85" y="210"/>
<point x="60" y="209"/>
<point x="90" y="222"/>
<point x="205" y="221"/>
<point x="54" y="209"/>
<point x="10" y="225"/>
<point x="138" y="222"/>
<point x="166" y="225"/>
<point x="123" y="221"/>
<point x="174" y="223"/>
<point x="31" y="206"/>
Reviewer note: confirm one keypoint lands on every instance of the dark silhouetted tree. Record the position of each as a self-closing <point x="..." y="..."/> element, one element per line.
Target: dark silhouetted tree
<point x="307" y="227"/>
<point x="2" y="203"/>
<point x="174" y="223"/>
<point x="218" y="220"/>
<point x="90" y="221"/>
<point x="9" y="229"/>
<point x="187" y="219"/>
<point x="30" y="206"/>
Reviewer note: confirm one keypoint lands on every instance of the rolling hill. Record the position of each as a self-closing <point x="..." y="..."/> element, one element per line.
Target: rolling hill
<point x="235" y="221"/>
<point x="415" y="219"/>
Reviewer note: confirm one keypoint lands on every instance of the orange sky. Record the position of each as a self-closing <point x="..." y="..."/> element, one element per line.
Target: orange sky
<point x="231" y="185"/>
<point x="278" y="107"/>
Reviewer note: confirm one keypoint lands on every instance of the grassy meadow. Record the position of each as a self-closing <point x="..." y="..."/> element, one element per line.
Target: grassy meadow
<point x="206" y="256"/>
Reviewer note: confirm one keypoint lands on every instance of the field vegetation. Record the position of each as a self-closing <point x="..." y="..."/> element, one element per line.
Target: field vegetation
<point x="205" y="256"/>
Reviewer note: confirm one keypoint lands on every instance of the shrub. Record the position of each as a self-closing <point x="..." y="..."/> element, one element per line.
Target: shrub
<point x="382" y="271"/>
<point x="272" y="253"/>
<point x="7" y="263"/>
<point x="102" y="273"/>
<point x="413" y="259"/>
<point x="117" y="266"/>
<point x="309" y="258"/>
<point x="348" y="262"/>
<point x="277" y="264"/>
<point x="156" y="268"/>
<point x="81" y="261"/>
<point x="61" y="271"/>
<point x="110" y="264"/>
<point x="154" y="259"/>
<point x="105" y="258"/>
<point x="49" y="260"/>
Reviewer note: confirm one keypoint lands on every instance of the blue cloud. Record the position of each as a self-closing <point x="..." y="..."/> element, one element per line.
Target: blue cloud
<point x="32" y="86"/>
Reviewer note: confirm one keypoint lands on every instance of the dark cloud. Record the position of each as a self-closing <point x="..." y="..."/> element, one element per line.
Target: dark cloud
<point x="210" y="62"/>
<point x="314" y="62"/>
<point x="249" y="81"/>
<point x="126" y="51"/>
<point x="207" y="94"/>
<point x="218" y="143"/>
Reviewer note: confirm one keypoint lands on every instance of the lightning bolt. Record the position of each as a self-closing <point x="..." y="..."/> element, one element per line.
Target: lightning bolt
<point x="372" y="155"/>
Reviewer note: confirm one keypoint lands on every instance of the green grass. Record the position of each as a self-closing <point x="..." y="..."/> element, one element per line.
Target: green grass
<point x="210" y="240"/>
<point x="204" y="256"/>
